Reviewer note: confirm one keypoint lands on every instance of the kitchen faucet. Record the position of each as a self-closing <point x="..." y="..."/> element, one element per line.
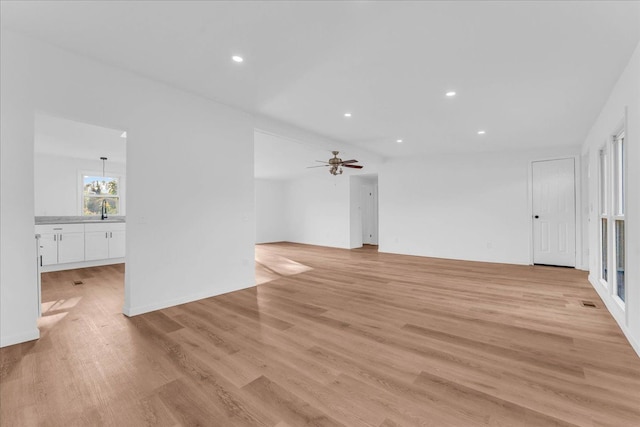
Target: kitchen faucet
<point x="103" y="209"/>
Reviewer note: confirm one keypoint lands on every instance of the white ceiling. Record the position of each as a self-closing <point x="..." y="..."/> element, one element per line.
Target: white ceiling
<point x="62" y="137"/>
<point x="531" y="74"/>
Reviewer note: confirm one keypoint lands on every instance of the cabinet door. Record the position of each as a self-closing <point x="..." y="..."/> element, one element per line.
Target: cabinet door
<point x="49" y="248"/>
<point x="70" y="247"/>
<point x="116" y="243"/>
<point x="96" y="245"/>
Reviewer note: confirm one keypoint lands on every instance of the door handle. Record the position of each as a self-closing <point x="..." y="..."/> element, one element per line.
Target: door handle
<point x="537" y="216"/>
<point x="40" y="260"/>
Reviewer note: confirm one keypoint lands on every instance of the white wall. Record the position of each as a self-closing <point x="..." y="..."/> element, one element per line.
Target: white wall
<point x="317" y="206"/>
<point x="190" y="219"/>
<point x="18" y="292"/>
<point x="461" y="206"/>
<point x="57" y="183"/>
<point x="356" y="222"/>
<point x="625" y="95"/>
<point x="271" y="225"/>
<point x="318" y="210"/>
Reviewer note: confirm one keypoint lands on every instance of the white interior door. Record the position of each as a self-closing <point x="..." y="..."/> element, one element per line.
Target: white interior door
<point x="554" y="213"/>
<point x="370" y="214"/>
<point x="374" y="215"/>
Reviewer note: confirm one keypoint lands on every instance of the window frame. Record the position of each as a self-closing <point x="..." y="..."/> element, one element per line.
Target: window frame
<point x="603" y="204"/>
<point x="612" y="207"/>
<point x="618" y="180"/>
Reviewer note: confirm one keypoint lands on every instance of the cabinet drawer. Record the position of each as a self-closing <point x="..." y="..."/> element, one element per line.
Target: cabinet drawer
<point x="59" y="228"/>
<point x="114" y="226"/>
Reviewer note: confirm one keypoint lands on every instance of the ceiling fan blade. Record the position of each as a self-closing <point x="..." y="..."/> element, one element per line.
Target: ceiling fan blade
<point x="322" y="161"/>
<point x="320" y="166"/>
<point x="353" y="166"/>
<point x="349" y="161"/>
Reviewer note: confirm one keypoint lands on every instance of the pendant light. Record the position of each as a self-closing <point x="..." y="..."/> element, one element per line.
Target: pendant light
<point x="104" y="159"/>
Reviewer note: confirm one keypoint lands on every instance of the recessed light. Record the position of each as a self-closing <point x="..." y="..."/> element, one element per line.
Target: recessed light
<point x="123" y="135"/>
<point x="481" y="132"/>
<point x="450" y="94"/>
<point x="347" y="114"/>
<point x="237" y="58"/>
<point x="399" y="141"/>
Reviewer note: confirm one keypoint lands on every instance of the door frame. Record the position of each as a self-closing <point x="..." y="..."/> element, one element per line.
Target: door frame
<point x="577" y="188"/>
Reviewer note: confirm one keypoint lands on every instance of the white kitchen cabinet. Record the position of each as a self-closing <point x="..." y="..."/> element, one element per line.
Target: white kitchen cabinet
<point x="61" y="243"/>
<point x="104" y="241"/>
<point x="116" y="243"/>
<point x="96" y="245"/>
<point x="71" y="247"/>
<point x="48" y="248"/>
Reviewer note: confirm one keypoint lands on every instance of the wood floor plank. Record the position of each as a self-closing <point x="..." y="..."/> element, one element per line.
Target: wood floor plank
<point x="292" y="409"/>
<point x="222" y="395"/>
<point x="483" y="405"/>
<point x="191" y="407"/>
<point x="500" y="350"/>
<point x="330" y="337"/>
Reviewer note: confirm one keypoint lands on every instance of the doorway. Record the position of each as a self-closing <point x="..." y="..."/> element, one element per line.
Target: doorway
<point x="80" y="208"/>
<point x="554" y="212"/>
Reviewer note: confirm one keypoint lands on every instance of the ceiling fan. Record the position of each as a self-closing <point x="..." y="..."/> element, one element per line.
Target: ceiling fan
<point x="336" y="164"/>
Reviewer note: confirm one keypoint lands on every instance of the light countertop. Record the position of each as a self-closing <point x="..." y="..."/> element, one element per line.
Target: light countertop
<point x="41" y="220"/>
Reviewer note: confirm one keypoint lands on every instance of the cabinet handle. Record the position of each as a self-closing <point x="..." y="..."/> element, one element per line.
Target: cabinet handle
<point x="55" y="237"/>
<point x="111" y="234"/>
<point x="106" y="234"/>
<point x="61" y="237"/>
<point x="40" y="260"/>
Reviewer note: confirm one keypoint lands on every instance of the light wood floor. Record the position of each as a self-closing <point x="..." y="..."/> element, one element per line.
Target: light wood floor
<point x="330" y="337"/>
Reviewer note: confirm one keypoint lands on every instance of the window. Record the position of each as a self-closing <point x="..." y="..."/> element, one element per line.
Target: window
<point x="97" y="190"/>
<point x="604" y="252"/>
<point x="618" y="213"/>
<point x="612" y="216"/>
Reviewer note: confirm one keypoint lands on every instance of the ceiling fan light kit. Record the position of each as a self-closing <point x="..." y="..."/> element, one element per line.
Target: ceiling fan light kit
<point x="336" y="164"/>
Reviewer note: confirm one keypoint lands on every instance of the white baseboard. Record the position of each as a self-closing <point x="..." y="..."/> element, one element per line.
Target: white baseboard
<point x="608" y="303"/>
<point x="6" y="341"/>
<point x="634" y="343"/>
<point x="134" y="311"/>
<point x="82" y="264"/>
